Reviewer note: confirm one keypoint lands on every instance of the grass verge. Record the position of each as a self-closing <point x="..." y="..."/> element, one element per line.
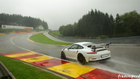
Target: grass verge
<point x="56" y="33"/>
<point x="23" y="71"/>
<point x="41" y="38"/>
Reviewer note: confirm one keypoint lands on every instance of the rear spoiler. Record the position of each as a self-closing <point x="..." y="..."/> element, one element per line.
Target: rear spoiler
<point x="97" y="49"/>
<point x="107" y="45"/>
<point x="94" y="48"/>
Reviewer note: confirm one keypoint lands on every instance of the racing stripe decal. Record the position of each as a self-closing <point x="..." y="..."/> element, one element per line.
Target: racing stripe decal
<point x="68" y="69"/>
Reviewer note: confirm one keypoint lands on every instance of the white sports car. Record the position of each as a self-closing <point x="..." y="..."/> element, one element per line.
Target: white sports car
<point x="85" y="52"/>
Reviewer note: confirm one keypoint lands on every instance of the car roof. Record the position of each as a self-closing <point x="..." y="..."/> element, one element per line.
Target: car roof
<point x="81" y="43"/>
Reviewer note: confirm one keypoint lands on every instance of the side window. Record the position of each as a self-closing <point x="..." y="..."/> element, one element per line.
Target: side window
<point x="74" y="46"/>
<point x="80" y="47"/>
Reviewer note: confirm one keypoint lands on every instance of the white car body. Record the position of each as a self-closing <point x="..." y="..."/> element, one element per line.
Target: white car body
<point x="85" y="49"/>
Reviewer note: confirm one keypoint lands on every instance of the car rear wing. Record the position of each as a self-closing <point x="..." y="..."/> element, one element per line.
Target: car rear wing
<point x="97" y="49"/>
<point x="107" y="45"/>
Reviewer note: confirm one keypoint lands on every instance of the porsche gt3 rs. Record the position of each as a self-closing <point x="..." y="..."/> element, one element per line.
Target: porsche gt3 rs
<point x="85" y="52"/>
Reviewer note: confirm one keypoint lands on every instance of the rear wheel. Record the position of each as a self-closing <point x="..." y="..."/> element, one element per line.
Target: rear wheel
<point x="63" y="56"/>
<point x="81" y="59"/>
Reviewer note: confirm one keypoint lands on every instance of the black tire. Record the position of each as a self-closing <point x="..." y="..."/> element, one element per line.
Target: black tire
<point x="81" y="59"/>
<point x="63" y="56"/>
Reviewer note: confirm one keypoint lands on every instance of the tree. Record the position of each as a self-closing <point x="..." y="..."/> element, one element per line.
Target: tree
<point x="96" y="23"/>
<point x="128" y="24"/>
<point x="68" y="30"/>
<point x="6" y="19"/>
<point x="44" y="24"/>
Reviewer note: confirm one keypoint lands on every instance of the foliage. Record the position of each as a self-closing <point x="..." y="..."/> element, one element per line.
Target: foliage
<point x="127" y="24"/>
<point x="68" y="30"/>
<point x="56" y="33"/>
<point x="93" y="24"/>
<point x="7" y="19"/>
<point x="96" y="23"/>
<point x="102" y="37"/>
<point x="41" y="38"/>
<point x="23" y="71"/>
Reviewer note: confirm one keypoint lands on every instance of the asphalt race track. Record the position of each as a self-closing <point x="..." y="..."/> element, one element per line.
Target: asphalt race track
<point x="125" y="57"/>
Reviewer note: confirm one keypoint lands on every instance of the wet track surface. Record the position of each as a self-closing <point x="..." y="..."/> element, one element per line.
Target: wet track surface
<point x="125" y="57"/>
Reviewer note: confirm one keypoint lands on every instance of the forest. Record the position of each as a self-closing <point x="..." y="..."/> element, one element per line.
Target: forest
<point x="96" y="24"/>
<point x="18" y="20"/>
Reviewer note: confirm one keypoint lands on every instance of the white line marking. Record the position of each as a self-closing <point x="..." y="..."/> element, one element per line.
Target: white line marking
<point x="35" y="52"/>
<point x="28" y="49"/>
<point x="108" y="69"/>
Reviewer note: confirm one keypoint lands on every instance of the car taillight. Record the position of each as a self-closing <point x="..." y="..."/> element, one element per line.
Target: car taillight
<point x="92" y="53"/>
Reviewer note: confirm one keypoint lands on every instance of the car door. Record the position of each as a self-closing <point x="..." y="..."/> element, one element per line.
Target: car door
<point x="71" y="53"/>
<point x="73" y="50"/>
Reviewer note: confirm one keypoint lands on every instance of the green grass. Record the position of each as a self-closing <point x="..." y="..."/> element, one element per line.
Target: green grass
<point x="41" y="38"/>
<point x="23" y="71"/>
<point x="56" y="33"/>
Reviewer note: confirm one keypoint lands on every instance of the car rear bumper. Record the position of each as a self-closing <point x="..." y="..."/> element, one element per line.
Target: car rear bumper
<point x="99" y="56"/>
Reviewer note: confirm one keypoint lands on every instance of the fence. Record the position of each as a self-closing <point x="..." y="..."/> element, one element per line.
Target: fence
<point x="127" y="40"/>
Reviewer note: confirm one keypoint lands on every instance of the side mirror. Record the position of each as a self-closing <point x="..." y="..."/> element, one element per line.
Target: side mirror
<point x="68" y="48"/>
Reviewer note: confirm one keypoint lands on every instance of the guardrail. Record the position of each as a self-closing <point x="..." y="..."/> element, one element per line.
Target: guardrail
<point x="5" y="73"/>
<point x="124" y="40"/>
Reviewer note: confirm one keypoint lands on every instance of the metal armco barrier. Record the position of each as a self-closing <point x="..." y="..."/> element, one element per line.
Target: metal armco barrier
<point x="65" y="68"/>
<point x="5" y="73"/>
